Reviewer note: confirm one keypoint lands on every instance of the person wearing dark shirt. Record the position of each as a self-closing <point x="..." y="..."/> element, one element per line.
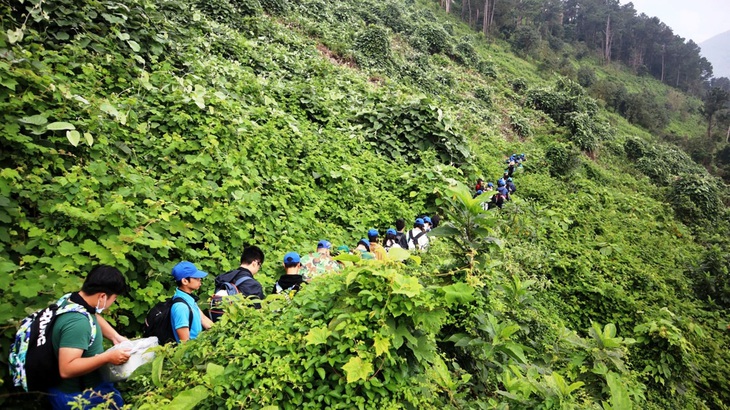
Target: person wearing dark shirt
<point x="251" y="260"/>
<point x="511" y="186"/>
<point x="291" y="281"/>
<point x="400" y="235"/>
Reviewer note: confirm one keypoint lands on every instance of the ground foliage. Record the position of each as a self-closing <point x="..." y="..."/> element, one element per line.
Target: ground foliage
<point x="141" y="133"/>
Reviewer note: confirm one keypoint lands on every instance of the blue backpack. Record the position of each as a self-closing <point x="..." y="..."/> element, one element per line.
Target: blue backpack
<point x="222" y="291"/>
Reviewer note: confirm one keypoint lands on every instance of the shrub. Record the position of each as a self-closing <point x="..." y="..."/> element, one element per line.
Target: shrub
<point x="466" y="52"/>
<point x="518" y="84"/>
<point x="391" y="16"/>
<point x="373" y="47"/>
<point x="586" y="76"/>
<point x="525" y="39"/>
<point x="635" y="148"/>
<point x="520" y="125"/>
<point x="275" y="7"/>
<point x="432" y="37"/>
<point x="484" y="94"/>
<point x="487" y="69"/>
<point x="247" y="7"/>
<point x="695" y="198"/>
<point x="562" y="159"/>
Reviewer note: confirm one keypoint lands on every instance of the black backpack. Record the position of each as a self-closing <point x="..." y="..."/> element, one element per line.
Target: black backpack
<point x="159" y="323"/>
<point x="33" y="363"/>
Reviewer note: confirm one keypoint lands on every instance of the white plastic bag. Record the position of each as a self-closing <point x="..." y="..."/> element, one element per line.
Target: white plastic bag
<point x="139" y="355"/>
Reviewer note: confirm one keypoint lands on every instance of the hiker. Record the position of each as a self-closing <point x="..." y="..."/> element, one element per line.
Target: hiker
<point x="400" y="226"/>
<point x="427" y="223"/>
<point x="435" y="219"/>
<point x="480" y="185"/>
<point x="417" y="238"/>
<point x="363" y="248"/>
<point x="510" y="185"/>
<point x="391" y="239"/>
<point x="78" y="361"/>
<point x="187" y="326"/>
<point x="375" y="247"/>
<point x="320" y="262"/>
<point x="510" y="170"/>
<point x="291" y="281"/>
<point x="490" y="187"/>
<point x="251" y="260"/>
<point x="485" y="204"/>
<point x="496" y="201"/>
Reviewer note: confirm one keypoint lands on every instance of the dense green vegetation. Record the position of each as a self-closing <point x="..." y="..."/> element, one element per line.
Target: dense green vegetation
<point x="141" y="133"/>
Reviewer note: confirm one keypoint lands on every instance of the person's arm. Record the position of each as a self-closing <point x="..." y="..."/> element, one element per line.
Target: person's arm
<point x="205" y="320"/>
<point x="108" y="331"/>
<point x="71" y="364"/>
<point x="183" y="334"/>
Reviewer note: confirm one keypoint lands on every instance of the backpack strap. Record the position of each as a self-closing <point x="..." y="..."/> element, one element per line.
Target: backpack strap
<point x="241" y="280"/>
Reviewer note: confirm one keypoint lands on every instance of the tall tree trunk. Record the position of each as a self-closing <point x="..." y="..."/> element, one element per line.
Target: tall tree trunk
<point x="664" y="49"/>
<point x="448" y="6"/>
<point x="727" y="136"/>
<point x="709" y="127"/>
<point x="678" y="71"/>
<point x="491" y="13"/>
<point x="608" y="41"/>
<point x="485" y="20"/>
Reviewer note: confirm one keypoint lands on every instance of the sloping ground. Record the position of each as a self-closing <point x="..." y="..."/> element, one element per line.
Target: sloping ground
<point x="141" y="134"/>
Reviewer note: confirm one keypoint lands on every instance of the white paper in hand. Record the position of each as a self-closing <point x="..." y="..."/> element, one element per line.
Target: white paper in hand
<point x="139" y="355"/>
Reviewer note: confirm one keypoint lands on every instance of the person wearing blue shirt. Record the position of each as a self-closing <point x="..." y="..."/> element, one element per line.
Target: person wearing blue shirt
<point x="188" y="279"/>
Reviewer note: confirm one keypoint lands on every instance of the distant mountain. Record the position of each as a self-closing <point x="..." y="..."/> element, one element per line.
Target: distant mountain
<point x="717" y="51"/>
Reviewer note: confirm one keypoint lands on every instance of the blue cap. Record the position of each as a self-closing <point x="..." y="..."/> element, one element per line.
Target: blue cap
<point x="427" y="219"/>
<point x="479" y="192"/>
<point x="372" y="232"/>
<point x="365" y="242"/>
<point x="500" y="182"/>
<point x="391" y="231"/>
<point x="291" y="257"/>
<point x="490" y="184"/>
<point x="324" y="244"/>
<point x="186" y="269"/>
<point x="419" y="221"/>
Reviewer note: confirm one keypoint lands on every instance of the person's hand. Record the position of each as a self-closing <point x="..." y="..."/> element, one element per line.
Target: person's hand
<point x="116" y="339"/>
<point x="118" y="356"/>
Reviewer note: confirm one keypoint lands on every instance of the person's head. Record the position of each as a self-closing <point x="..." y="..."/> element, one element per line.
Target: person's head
<point x="419" y="223"/>
<point x="363" y="245"/>
<point x="102" y="286"/>
<point x="373" y="235"/>
<point x="435" y="220"/>
<point x="500" y="183"/>
<point x="187" y="276"/>
<point x="323" y="247"/>
<point x="291" y="263"/>
<point x="390" y="234"/>
<point x="509" y="179"/>
<point x="427" y="223"/>
<point x="252" y="258"/>
<point x="400" y="225"/>
<point x="506" y="175"/>
<point x="480" y="181"/>
<point x="490" y="185"/>
<point x="343" y="249"/>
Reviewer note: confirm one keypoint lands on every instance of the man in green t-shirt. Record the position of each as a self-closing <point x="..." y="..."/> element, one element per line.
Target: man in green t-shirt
<point x="79" y="363"/>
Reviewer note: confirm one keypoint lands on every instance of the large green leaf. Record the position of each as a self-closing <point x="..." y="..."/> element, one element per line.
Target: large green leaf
<point x="357" y="369"/>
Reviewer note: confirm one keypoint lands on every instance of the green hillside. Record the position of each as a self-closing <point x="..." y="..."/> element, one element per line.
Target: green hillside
<point x="142" y="133"/>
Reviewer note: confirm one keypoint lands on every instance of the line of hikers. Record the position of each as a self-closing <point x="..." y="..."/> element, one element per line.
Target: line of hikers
<point x="62" y="354"/>
<point x="505" y="185"/>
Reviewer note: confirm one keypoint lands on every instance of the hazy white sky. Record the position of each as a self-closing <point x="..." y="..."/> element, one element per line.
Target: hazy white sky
<point x="698" y="20"/>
